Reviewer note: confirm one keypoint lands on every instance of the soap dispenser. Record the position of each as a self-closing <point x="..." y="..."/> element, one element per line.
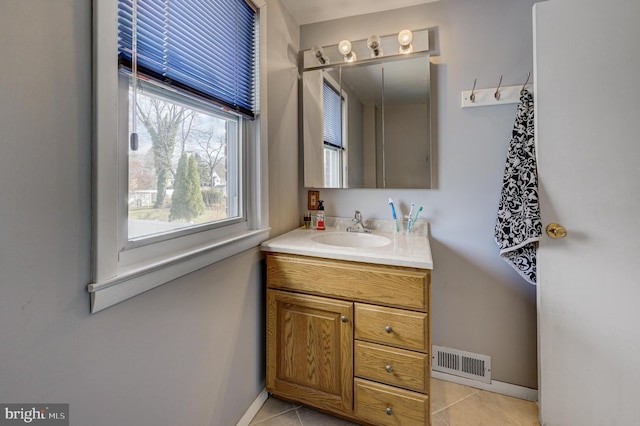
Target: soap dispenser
<point x="320" y="216"/>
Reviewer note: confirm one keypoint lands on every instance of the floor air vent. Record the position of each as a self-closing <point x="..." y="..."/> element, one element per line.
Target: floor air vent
<point x="460" y="363"/>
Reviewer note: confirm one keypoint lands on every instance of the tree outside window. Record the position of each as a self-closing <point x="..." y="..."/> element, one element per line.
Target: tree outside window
<point x="178" y="174"/>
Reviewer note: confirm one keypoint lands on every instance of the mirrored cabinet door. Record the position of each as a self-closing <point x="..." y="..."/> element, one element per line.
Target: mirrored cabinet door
<point x="405" y="145"/>
<point x="368" y="125"/>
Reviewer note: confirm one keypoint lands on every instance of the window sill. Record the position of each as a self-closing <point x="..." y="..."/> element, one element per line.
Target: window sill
<point x="135" y="281"/>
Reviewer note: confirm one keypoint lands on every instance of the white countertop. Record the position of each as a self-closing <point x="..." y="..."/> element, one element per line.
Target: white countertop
<point x="412" y="250"/>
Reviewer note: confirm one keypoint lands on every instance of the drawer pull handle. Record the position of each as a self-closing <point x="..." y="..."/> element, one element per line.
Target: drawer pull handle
<point x="389" y="369"/>
<point x="388" y="329"/>
<point x="389" y="411"/>
<point x="344" y="318"/>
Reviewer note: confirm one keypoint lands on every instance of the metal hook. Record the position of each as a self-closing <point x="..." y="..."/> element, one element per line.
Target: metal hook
<point x="525" y="83"/>
<point x="472" y="98"/>
<point x="497" y="94"/>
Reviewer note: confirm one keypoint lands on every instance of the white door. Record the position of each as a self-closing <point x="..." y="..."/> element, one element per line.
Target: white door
<point x="587" y="70"/>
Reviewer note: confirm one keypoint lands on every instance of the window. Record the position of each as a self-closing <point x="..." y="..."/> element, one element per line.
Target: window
<point x="178" y="161"/>
<point x="334" y="115"/>
<point x="185" y="171"/>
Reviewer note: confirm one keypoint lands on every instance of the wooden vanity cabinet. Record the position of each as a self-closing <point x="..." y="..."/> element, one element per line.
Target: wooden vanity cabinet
<point x="350" y="338"/>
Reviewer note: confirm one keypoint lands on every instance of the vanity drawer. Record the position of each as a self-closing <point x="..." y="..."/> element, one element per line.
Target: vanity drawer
<point x="362" y="282"/>
<point x="393" y="366"/>
<point x="385" y="405"/>
<point x="395" y="327"/>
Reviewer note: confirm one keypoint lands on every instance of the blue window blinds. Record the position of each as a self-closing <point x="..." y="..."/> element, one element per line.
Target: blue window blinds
<point x="331" y="115"/>
<point x="206" y="48"/>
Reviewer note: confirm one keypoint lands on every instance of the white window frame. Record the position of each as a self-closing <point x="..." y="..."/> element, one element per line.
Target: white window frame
<point x="119" y="273"/>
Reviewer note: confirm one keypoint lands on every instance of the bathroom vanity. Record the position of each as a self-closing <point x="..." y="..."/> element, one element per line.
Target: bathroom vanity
<point x="348" y="328"/>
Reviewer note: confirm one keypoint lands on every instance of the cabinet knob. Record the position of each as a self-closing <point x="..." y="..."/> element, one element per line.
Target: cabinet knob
<point x="389" y="369"/>
<point x="344" y="318"/>
<point x="388" y="329"/>
<point x="389" y="411"/>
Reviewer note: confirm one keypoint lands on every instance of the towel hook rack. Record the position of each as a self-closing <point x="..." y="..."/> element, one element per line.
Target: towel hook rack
<point x="525" y="83"/>
<point x="472" y="98"/>
<point x="492" y="96"/>
<point x="497" y="94"/>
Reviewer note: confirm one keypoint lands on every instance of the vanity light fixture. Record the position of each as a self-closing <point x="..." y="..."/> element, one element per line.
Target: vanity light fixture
<point x="319" y="54"/>
<point x="374" y="44"/>
<point x="375" y="47"/>
<point x="404" y="38"/>
<point x="345" y="48"/>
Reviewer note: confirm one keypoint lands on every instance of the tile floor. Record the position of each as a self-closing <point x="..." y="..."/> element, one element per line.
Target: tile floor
<point x="451" y="405"/>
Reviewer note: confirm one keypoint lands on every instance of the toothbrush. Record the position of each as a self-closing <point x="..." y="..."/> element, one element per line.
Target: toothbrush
<point x="415" y="219"/>
<point x="409" y="217"/>
<point x="393" y="213"/>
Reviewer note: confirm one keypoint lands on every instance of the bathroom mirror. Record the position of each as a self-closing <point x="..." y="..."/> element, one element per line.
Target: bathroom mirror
<point x="367" y="124"/>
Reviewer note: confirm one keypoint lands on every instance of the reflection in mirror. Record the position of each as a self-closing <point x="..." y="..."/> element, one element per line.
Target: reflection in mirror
<point x="406" y="146"/>
<point x="362" y="84"/>
<point x="381" y="136"/>
<point x="325" y="140"/>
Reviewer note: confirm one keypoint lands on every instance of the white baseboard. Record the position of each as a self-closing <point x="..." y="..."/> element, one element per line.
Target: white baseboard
<point x="253" y="408"/>
<point x="503" y="388"/>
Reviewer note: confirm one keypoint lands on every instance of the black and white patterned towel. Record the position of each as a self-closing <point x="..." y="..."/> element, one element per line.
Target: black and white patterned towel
<point x="519" y="227"/>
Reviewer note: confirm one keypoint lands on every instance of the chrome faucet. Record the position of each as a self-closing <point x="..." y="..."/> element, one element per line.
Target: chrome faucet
<point x="358" y="226"/>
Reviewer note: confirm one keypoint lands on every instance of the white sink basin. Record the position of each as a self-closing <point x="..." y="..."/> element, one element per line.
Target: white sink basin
<point x="351" y="239"/>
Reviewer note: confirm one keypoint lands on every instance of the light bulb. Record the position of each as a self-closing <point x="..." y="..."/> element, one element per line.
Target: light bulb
<point x="345" y="48"/>
<point x="374" y="44"/>
<point x="404" y="38"/>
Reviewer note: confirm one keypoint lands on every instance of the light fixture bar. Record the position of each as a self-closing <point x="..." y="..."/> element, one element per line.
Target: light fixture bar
<point x="369" y="49"/>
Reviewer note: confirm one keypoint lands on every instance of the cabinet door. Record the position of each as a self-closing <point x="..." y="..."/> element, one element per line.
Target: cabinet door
<point x="310" y="350"/>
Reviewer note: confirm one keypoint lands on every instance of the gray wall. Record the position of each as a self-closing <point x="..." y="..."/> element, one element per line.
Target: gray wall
<point x="479" y="304"/>
<point x="190" y="352"/>
<point x="282" y="85"/>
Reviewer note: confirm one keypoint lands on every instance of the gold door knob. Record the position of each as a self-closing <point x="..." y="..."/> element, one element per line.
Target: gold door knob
<point x="555" y="230"/>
